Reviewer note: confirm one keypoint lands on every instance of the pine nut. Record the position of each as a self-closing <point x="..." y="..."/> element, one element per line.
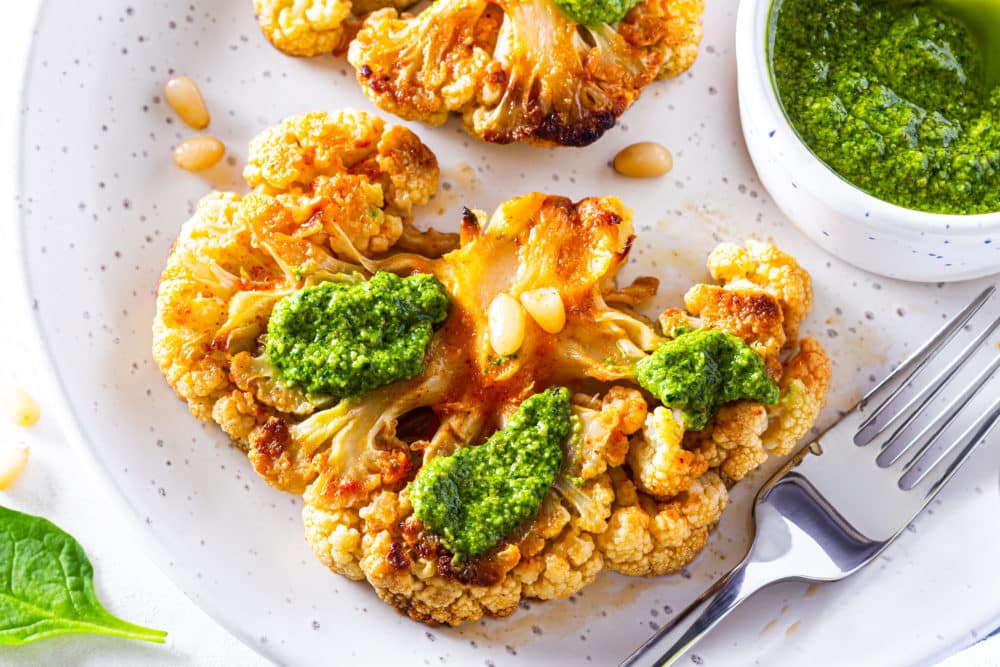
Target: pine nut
<point x="646" y="159"/>
<point x="545" y="307"/>
<point x="198" y="153"/>
<point x="13" y="461"/>
<point x="185" y="98"/>
<point x="20" y="407"/>
<point x="506" y="324"/>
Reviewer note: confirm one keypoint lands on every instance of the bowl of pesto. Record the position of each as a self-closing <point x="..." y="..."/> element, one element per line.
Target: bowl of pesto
<point x="875" y="127"/>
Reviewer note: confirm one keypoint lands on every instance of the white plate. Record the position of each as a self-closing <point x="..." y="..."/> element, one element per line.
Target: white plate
<point x="101" y="203"/>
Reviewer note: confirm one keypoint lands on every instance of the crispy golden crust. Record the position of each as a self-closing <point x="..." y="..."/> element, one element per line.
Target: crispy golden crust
<point x="521" y="71"/>
<point x="754" y="316"/>
<point x="762" y="267"/>
<point x="322" y="187"/>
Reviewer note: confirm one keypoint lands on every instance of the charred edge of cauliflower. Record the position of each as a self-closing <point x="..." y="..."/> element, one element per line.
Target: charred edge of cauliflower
<point x="521" y="71"/>
<point x="761" y="267"/>
<point x="327" y="191"/>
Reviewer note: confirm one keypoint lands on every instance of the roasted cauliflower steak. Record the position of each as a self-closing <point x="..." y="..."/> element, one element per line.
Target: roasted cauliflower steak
<point x="521" y="70"/>
<point x="514" y="70"/>
<point x="638" y="492"/>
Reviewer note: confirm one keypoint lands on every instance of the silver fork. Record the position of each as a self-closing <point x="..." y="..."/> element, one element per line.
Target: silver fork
<point x="811" y="522"/>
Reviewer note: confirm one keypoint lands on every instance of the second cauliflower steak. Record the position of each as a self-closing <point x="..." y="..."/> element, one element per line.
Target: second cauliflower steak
<point x="514" y="70"/>
<point x="637" y="489"/>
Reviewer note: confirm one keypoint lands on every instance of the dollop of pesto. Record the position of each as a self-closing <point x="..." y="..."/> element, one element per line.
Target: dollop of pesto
<point x="892" y="96"/>
<point x="344" y="339"/>
<point x="595" y="12"/>
<point x="701" y="370"/>
<point x="477" y="496"/>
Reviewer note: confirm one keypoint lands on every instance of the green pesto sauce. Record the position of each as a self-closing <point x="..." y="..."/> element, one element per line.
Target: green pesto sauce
<point x="344" y="339"/>
<point x="700" y="370"/>
<point x="595" y="12"/>
<point x="891" y="95"/>
<point x="477" y="496"/>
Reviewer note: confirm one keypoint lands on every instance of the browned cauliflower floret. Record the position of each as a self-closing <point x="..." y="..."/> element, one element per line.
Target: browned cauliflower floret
<point x="605" y="427"/>
<point x="521" y="70"/>
<point x="731" y="442"/>
<point x="324" y="188"/>
<point x="764" y="297"/>
<point x="754" y="316"/>
<point x="661" y="467"/>
<point x="650" y="538"/>
<point x="804" y="386"/>
<point x="347" y="177"/>
<point x="303" y="27"/>
<point x="315" y="27"/>
<point x="761" y="266"/>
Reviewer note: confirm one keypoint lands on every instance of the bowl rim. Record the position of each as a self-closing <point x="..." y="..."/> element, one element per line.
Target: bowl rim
<point x="752" y="34"/>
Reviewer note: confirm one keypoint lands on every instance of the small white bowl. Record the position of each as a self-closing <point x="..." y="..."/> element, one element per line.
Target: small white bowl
<point x="848" y="222"/>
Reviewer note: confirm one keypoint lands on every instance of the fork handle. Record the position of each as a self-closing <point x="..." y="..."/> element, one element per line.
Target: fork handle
<point x="674" y="638"/>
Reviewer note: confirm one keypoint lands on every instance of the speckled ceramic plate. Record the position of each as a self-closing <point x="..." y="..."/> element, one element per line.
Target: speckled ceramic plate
<point x="101" y="202"/>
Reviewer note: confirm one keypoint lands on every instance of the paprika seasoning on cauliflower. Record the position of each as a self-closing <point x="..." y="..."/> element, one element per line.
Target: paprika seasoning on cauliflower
<point x="637" y="490"/>
<point x="478" y="495"/>
<point x="346" y="338"/>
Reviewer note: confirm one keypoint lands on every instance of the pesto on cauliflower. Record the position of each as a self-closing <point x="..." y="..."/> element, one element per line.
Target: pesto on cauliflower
<point x="346" y="338"/>
<point x="596" y="12"/>
<point x="700" y="370"/>
<point x="478" y="495"/>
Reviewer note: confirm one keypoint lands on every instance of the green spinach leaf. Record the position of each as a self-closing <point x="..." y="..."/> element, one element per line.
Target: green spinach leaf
<point x="47" y="586"/>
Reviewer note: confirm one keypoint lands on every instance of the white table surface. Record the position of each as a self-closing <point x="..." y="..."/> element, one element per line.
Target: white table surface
<point x="61" y="483"/>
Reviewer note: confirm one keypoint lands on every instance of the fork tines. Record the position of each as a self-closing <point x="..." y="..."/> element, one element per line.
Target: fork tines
<point x="911" y="402"/>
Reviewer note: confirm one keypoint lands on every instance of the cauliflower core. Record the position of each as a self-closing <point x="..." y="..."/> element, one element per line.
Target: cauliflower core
<point x="635" y="492"/>
<point x="521" y="70"/>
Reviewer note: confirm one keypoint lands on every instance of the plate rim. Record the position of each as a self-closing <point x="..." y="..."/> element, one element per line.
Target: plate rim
<point x="66" y="417"/>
